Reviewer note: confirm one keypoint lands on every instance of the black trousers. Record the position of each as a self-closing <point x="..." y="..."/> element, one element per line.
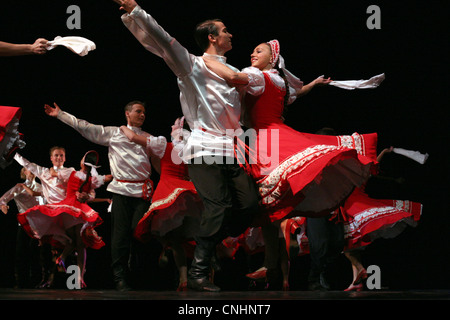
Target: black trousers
<point x="326" y="241"/>
<point x="229" y="196"/>
<point x="126" y="213"/>
<point x="28" y="269"/>
<point x="230" y="199"/>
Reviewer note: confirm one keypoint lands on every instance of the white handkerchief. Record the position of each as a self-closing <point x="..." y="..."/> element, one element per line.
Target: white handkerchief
<point x="372" y="83"/>
<point x="78" y="45"/>
<point x="414" y="155"/>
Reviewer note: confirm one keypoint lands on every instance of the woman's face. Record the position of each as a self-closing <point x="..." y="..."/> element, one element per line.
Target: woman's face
<point x="261" y="57"/>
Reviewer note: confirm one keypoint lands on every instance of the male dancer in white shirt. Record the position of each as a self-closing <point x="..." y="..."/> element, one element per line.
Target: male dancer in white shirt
<point x="212" y="110"/>
<point x="54" y="190"/>
<point x="131" y="187"/>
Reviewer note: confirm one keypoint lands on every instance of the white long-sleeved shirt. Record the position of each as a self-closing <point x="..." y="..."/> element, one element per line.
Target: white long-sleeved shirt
<point x="129" y="162"/>
<point x="22" y="198"/>
<point x="53" y="188"/>
<point x="211" y="107"/>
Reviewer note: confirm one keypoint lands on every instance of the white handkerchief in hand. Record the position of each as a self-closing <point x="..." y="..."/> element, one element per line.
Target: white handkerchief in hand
<point x="78" y="45"/>
<point x="414" y="155"/>
<point x="372" y="83"/>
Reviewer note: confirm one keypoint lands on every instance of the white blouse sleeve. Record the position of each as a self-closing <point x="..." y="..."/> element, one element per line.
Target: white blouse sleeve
<point x="292" y="95"/>
<point x="256" y="82"/>
<point x="157" y="145"/>
<point x="64" y="174"/>
<point x="97" y="181"/>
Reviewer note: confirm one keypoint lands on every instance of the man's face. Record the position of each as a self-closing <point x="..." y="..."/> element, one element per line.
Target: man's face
<point x="223" y="39"/>
<point x="58" y="157"/>
<point x="136" y="116"/>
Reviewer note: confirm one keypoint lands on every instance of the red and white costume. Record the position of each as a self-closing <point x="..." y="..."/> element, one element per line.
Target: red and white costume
<point x="175" y="201"/>
<point x="50" y="221"/>
<point x="365" y="219"/>
<point x="10" y="138"/>
<point x="311" y="173"/>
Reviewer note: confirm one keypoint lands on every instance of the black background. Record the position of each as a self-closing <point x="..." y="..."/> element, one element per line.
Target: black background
<point x="408" y="110"/>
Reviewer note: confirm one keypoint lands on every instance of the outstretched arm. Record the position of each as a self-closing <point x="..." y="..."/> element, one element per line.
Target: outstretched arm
<point x="12" y="49"/>
<point x="320" y="81"/>
<point x="155" y="39"/>
<point x="33" y="167"/>
<point x="127" y="5"/>
<point x="382" y="153"/>
<point x="52" y="112"/>
<point x="94" y="133"/>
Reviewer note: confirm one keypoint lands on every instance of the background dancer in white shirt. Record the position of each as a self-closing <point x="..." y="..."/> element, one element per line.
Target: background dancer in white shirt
<point x="131" y="187"/>
<point x="26" y="262"/>
<point x="212" y="110"/>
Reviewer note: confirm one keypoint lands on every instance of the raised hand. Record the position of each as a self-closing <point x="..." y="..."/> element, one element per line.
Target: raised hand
<point x="320" y="81"/>
<point x="177" y="129"/>
<point x="127" y="5"/>
<point x="53" y="112"/>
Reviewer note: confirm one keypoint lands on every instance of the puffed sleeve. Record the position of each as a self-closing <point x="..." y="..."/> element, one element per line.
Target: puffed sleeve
<point x="157" y="145"/>
<point x="292" y="95"/>
<point x="64" y="174"/>
<point x="256" y="82"/>
<point x="97" y="181"/>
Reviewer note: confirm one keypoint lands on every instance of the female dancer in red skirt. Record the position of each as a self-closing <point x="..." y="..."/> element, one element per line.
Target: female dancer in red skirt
<point x="293" y="170"/>
<point x="297" y="174"/>
<point x="364" y="220"/>
<point x="174" y="215"/>
<point x="71" y="222"/>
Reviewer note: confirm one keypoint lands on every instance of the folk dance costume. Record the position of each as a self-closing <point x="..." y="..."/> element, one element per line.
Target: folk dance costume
<point x="308" y="175"/>
<point x="27" y="265"/>
<point x="21" y="197"/>
<point x="129" y="163"/>
<point x="365" y="219"/>
<point x="53" y="191"/>
<point x="49" y="222"/>
<point x="212" y="110"/>
<point x="53" y="188"/>
<point x="175" y="202"/>
<point x="131" y="187"/>
<point x="10" y="137"/>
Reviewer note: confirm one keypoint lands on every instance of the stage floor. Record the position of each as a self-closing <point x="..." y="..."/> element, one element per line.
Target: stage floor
<point x="89" y="294"/>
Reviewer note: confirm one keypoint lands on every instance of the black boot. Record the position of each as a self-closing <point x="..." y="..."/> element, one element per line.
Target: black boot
<point x="120" y="279"/>
<point x="198" y="276"/>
